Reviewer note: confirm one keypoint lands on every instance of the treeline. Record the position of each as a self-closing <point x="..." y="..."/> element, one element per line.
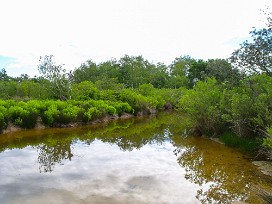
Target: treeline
<point x="127" y="72"/>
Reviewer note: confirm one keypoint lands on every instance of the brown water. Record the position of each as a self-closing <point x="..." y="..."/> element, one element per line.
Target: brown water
<point x="148" y="160"/>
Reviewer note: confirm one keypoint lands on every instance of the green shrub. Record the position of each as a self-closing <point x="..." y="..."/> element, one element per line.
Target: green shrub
<point x="84" y="91"/>
<point x="25" y="116"/>
<point x="146" y="90"/>
<point x="2" y="122"/>
<point x="3" y="118"/>
<point x="50" y="117"/>
<point x="138" y="102"/>
<point x="109" y="95"/>
<point x="69" y="114"/>
<point x="110" y="110"/>
<point x="250" y="106"/>
<point x="203" y="106"/>
<point x="121" y="107"/>
<point x="90" y="114"/>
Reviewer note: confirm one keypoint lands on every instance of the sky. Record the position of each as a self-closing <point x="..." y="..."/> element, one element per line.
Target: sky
<point x="75" y="31"/>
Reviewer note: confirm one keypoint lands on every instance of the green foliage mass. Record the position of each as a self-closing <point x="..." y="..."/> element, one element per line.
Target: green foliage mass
<point x="202" y="103"/>
<point x="23" y="115"/>
<point x="244" y="109"/>
<point x="91" y="104"/>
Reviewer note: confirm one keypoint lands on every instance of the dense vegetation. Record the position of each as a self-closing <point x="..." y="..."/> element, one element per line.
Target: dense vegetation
<point x="229" y="97"/>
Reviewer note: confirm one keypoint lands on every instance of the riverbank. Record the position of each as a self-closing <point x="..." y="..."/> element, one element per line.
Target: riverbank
<point x="11" y="128"/>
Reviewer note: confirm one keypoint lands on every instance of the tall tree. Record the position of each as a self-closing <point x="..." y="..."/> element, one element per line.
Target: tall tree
<point x="86" y="72"/>
<point x="58" y="77"/>
<point x="179" y="71"/>
<point x="134" y="71"/>
<point x="197" y="72"/>
<point x="223" y="71"/>
<point x="3" y="75"/>
<point x="159" y="76"/>
<point x="256" y="55"/>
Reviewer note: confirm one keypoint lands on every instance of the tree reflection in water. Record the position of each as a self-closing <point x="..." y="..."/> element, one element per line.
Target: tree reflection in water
<point x="49" y="155"/>
<point x="221" y="173"/>
<point x="218" y="171"/>
<point x="127" y="135"/>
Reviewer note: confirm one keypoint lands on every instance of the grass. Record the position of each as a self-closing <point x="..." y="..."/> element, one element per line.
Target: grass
<point x="242" y="143"/>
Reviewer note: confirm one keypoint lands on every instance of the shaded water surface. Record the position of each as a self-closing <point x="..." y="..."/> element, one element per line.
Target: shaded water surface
<point x="148" y="160"/>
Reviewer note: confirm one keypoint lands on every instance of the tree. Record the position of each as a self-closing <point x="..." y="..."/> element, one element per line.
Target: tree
<point x="197" y="72"/>
<point x="256" y="55"/>
<point x="108" y="70"/>
<point x="3" y="75"/>
<point x="134" y="71"/>
<point x="179" y="71"/>
<point x="85" y="90"/>
<point x="60" y="80"/>
<point x="223" y="71"/>
<point x="158" y="76"/>
<point x="86" y="72"/>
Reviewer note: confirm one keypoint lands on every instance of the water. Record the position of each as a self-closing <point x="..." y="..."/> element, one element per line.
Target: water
<point x="148" y="160"/>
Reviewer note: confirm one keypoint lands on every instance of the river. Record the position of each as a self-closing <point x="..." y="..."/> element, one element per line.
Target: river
<point x="137" y="160"/>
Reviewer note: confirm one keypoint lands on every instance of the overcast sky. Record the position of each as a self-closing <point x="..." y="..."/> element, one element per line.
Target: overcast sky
<point x="159" y="30"/>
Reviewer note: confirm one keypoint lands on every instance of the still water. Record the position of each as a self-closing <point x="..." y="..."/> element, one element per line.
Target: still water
<point x="147" y="160"/>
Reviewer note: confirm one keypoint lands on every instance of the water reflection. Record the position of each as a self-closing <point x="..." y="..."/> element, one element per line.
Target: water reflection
<point x="49" y="155"/>
<point x="222" y="174"/>
<point x="158" y="153"/>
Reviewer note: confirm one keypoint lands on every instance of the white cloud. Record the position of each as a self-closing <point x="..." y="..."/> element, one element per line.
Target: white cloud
<point x="160" y="30"/>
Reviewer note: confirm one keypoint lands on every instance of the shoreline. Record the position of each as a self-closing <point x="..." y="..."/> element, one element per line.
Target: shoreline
<point x="40" y="126"/>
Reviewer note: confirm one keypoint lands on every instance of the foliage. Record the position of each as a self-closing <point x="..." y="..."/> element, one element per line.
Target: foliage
<point x="255" y="55"/>
<point x="179" y="70"/>
<point x="197" y="72"/>
<point x="121" y="107"/>
<point x="60" y="80"/>
<point x="138" y="102"/>
<point x="203" y="105"/>
<point x="245" y="144"/>
<point x="3" y="75"/>
<point x="23" y="115"/>
<point x="267" y="142"/>
<point x="250" y="106"/>
<point x="86" y="72"/>
<point x="3" y="118"/>
<point x="90" y="114"/>
<point x="223" y="72"/>
<point x="85" y="90"/>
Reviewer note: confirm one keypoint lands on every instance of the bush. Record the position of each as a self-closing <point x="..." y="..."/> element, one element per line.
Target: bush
<point x="3" y="118"/>
<point x="121" y="107"/>
<point x="61" y="113"/>
<point x="25" y="116"/>
<point x="250" y="106"/>
<point x="138" y="102"/>
<point x="267" y="143"/>
<point x="90" y="114"/>
<point x="84" y="91"/>
<point x="50" y="117"/>
<point x="69" y="114"/>
<point x="203" y="105"/>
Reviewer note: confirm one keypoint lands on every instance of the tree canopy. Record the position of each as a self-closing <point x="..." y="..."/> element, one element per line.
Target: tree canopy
<point x="255" y="55"/>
